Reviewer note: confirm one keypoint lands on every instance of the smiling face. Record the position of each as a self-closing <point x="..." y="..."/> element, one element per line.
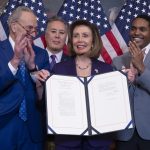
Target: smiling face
<point x="82" y="40"/>
<point x="55" y="36"/>
<point x="140" y="32"/>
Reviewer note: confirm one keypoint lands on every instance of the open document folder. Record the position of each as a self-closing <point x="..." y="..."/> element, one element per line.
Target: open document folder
<point x="87" y="106"/>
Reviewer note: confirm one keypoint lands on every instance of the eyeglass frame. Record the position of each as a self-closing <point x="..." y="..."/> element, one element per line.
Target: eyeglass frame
<point x="29" y="32"/>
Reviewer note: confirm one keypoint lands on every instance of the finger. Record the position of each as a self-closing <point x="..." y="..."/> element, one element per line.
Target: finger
<point x="29" y="46"/>
<point x="45" y="72"/>
<point x="133" y="48"/>
<point x="133" y="69"/>
<point x="125" y="70"/>
<point x="40" y="78"/>
<point x="19" y="49"/>
<point x="135" y="44"/>
<point x="130" y="49"/>
<point x="26" y="51"/>
<point x="123" y="67"/>
<point x="20" y="37"/>
<point x="22" y="44"/>
<point x="131" y="66"/>
<point x="30" y="50"/>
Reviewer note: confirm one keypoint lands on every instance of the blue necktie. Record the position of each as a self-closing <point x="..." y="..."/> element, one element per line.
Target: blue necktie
<point x="22" y="109"/>
<point x="53" y="61"/>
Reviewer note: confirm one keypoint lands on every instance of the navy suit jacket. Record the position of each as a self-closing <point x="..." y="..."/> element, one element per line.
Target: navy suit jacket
<point x="12" y="91"/>
<point x="69" y="68"/>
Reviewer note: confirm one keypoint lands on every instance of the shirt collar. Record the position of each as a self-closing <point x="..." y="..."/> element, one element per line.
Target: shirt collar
<point x="147" y="48"/>
<point x="58" y="55"/>
<point x="12" y="42"/>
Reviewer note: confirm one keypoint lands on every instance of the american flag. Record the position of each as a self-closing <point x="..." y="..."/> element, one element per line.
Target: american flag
<point x="36" y="6"/>
<point x="130" y="10"/>
<point x="92" y="10"/>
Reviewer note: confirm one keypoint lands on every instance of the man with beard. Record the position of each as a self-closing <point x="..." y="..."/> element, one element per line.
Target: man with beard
<point x="55" y="36"/>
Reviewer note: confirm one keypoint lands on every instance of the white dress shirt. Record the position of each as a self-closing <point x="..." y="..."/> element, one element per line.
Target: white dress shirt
<point x="146" y="49"/>
<point x="58" y="56"/>
<point x="11" y="67"/>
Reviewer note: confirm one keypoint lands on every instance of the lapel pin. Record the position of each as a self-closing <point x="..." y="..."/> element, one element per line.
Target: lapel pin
<point x="96" y="70"/>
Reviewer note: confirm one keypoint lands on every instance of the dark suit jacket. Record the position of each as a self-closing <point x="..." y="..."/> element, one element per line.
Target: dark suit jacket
<point x="122" y="61"/>
<point x="69" y="68"/>
<point x="140" y="99"/>
<point x="64" y="57"/>
<point x="12" y="91"/>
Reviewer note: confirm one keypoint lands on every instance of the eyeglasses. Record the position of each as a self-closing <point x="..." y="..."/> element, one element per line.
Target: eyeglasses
<point x="29" y="30"/>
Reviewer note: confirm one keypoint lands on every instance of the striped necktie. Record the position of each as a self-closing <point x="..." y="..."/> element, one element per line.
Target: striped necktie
<point x="53" y="61"/>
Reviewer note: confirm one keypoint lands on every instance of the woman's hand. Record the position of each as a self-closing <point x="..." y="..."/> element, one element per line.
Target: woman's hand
<point x="41" y="77"/>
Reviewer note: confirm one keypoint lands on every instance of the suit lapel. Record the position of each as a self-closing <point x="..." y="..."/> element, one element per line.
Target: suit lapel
<point x="7" y="49"/>
<point x="94" y="68"/>
<point x="64" y="57"/>
<point x="147" y="59"/>
<point x="72" y="67"/>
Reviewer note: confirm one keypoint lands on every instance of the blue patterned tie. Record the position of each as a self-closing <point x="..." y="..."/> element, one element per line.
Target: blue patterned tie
<point x="53" y="61"/>
<point x="22" y="109"/>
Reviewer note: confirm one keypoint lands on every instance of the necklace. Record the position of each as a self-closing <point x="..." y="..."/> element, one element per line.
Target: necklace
<point x="83" y="68"/>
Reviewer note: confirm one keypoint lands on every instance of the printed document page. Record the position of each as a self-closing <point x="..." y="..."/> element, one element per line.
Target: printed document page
<point x="109" y="102"/>
<point x="66" y="108"/>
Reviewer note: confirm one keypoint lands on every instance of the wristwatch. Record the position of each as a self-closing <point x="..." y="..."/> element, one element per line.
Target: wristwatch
<point x="34" y="69"/>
